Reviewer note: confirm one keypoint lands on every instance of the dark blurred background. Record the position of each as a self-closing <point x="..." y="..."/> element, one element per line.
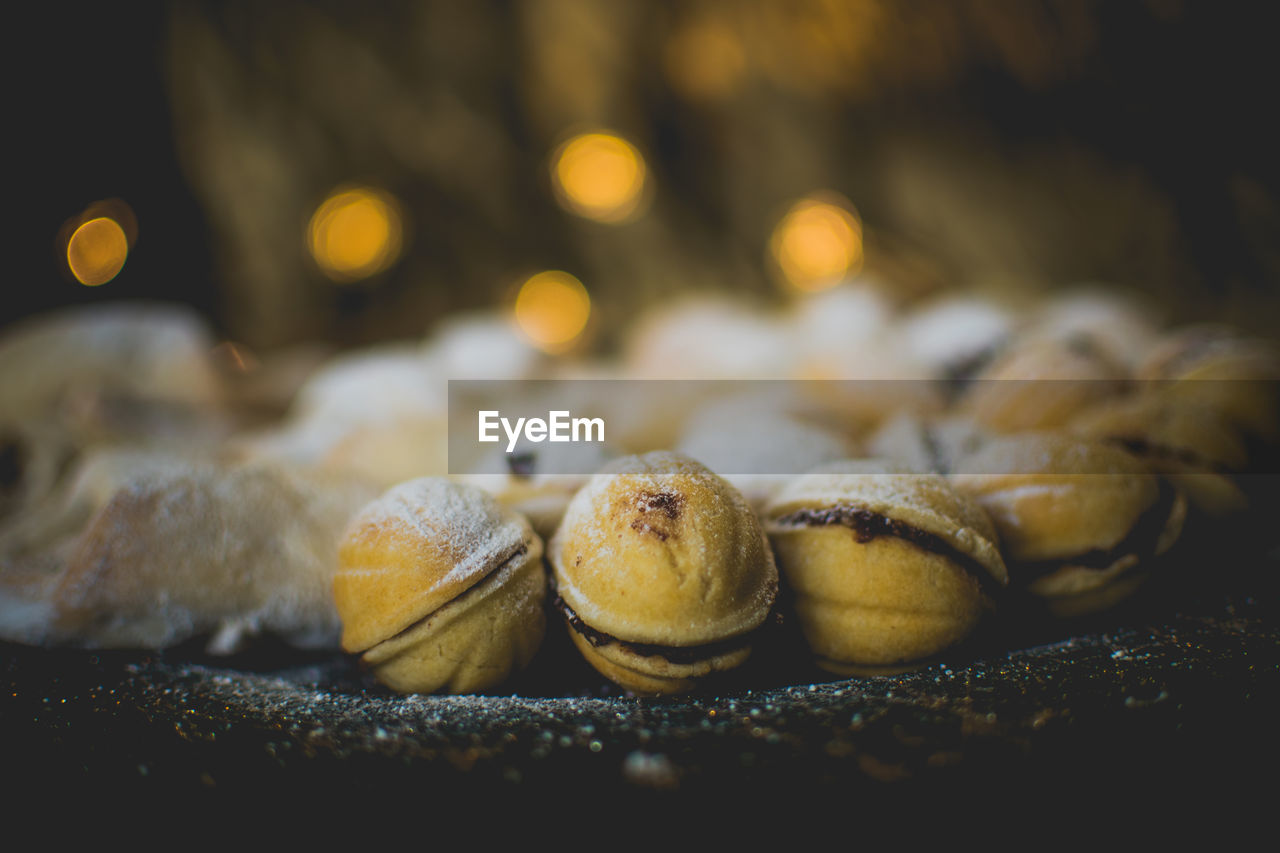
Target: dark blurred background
<point x="1009" y="146"/>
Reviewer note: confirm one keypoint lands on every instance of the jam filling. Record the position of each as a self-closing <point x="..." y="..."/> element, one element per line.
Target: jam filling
<point x="867" y="525"/>
<point x="1181" y="455"/>
<point x="674" y="654"/>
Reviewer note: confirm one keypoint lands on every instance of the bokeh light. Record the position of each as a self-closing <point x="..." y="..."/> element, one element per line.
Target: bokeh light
<point x="97" y="250"/>
<point x="599" y="176"/>
<point x="355" y="233"/>
<point x="818" y="243"/>
<point x="552" y="309"/>
<point x="95" y="243"/>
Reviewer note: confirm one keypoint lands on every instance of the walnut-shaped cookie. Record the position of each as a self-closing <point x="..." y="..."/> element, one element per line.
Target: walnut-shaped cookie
<point x="662" y="573"/>
<point x="1040" y="383"/>
<point x="886" y="568"/>
<point x="1223" y="370"/>
<point x="1080" y="520"/>
<point x="1114" y="321"/>
<point x="440" y="588"/>
<point x="1195" y="447"/>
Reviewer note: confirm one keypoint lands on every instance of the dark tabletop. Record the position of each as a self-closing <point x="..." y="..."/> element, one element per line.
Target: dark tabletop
<point x="1169" y="699"/>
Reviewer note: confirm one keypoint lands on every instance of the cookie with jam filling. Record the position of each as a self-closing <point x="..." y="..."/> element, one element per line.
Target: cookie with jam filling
<point x="1041" y="384"/>
<point x="1080" y="520"/>
<point x="1195" y="447"/>
<point x="1222" y="370"/>
<point x="662" y="573"/>
<point x="440" y="588"/>
<point x="886" y="568"/>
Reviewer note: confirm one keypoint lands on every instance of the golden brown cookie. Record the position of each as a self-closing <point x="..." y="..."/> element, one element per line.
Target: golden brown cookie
<point x="1220" y="369"/>
<point x="954" y="336"/>
<point x="1195" y="447"/>
<point x="662" y="573"/>
<point x="380" y="412"/>
<point x="886" y="567"/>
<point x="1079" y="520"/>
<point x="440" y="588"/>
<point x="1116" y="322"/>
<point x="1040" y="384"/>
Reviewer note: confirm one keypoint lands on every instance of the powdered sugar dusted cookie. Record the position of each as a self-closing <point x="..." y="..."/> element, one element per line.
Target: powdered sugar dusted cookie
<point x="1220" y="369"/>
<point x="954" y="336"/>
<point x="1080" y="520"/>
<point x="1040" y="384"/>
<point x="887" y="567"/>
<point x="1117" y="323"/>
<point x="209" y="549"/>
<point x="662" y="573"/>
<point x="380" y="412"/>
<point x="440" y="588"/>
<point x="1195" y="447"/>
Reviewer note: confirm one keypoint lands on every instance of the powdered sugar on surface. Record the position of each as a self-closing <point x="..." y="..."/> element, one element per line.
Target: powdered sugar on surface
<point x="1053" y="691"/>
